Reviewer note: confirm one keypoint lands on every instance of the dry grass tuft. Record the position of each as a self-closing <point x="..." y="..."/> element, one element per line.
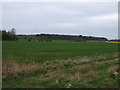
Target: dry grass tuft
<point x="76" y="60"/>
<point x="116" y="54"/>
<point x="97" y="63"/>
<point x="85" y="59"/>
<point x="113" y="69"/>
<point x="112" y="61"/>
<point x="81" y="68"/>
<point x="12" y="68"/>
<point x="74" y="77"/>
<point x="89" y="74"/>
<point x="56" y="76"/>
<point x="8" y="68"/>
<point x="80" y="72"/>
<point x="98" y="57"/>
<point x="77" y="76"/>
<point x="29" y="69"/>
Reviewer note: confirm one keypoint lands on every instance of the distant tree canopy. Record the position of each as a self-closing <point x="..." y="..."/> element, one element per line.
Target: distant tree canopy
<point x="69" y="37"/>
<point x="9" y="35"/>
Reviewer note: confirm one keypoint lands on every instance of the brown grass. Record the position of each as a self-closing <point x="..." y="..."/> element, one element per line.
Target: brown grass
<point x="97" y="63"/>
<point x="81" y="68"/>
<point x="80" y="72"/>
<point x="113" y="69"/>
<point x="29" y="69"/>
<point x="54" y="67"/>
<point x="89" y="74"/>
<point x="56" y="76"/>
<point x="85" y="59"/>
<point x="116" y="54"/>
<point x="76" y="60"/>
<point x="12" y="68"/>
<point x="78" y="76"/>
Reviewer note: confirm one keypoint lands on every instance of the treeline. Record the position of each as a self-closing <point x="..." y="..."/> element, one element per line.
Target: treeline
<point x="69" y="37"/>
<point x="60" y="37"/>
<point x="115" y="40"/>
<point x="9" y="35"/>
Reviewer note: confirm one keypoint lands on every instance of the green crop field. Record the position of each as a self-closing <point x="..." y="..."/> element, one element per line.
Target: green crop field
<point x="59" y="64"/>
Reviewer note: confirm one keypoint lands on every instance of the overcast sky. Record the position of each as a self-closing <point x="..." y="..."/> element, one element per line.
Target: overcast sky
<point x="90" y="18"/>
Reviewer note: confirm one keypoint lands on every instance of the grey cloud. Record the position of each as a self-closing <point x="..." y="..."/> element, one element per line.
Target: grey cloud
<point x="69" y="18"/>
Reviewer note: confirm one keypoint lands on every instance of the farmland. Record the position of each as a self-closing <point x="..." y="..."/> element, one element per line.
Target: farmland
<point x="59" y="64"/>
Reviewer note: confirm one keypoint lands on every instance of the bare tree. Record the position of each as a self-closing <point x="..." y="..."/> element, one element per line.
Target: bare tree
<point x="13" y="31"/>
